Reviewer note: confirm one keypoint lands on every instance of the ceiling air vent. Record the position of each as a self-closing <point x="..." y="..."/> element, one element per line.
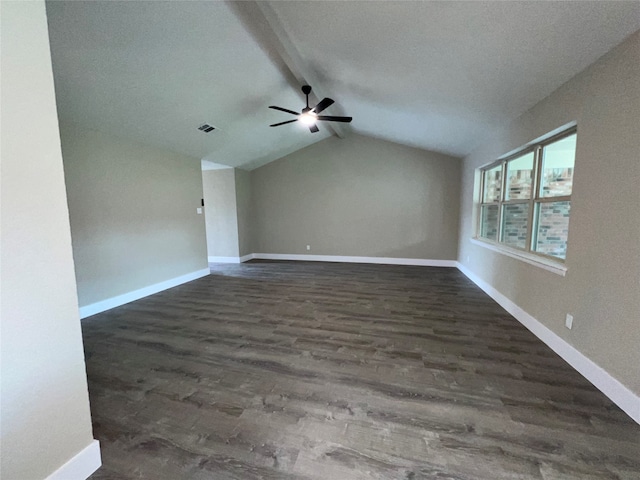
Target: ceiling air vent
<point x="206" y="128"/>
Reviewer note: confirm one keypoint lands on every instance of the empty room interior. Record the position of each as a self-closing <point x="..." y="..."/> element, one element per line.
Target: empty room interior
<point x="320" y="240"/>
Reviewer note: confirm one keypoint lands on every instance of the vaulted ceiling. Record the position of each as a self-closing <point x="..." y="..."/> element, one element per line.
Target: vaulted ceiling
<point x="434" y="75"/>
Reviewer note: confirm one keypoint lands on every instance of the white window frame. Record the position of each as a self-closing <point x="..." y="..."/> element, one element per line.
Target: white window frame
<point x="527" y="254"/>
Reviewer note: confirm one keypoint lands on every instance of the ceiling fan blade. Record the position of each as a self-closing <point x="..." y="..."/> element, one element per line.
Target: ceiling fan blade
<point x="283" y="123"/>
<point x="322" y="104"/>
<point x="313" y="128"/>
<point x="283" y="110"/>
<point x="329" y="118"/>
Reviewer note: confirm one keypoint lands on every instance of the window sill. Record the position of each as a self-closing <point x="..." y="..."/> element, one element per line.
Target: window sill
<point x="535" y="260"/>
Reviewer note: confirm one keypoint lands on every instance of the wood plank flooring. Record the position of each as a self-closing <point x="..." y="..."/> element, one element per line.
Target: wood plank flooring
<point x="294" y="370"/>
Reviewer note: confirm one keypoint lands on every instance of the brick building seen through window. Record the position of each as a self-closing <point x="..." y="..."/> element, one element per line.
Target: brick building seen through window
<point x="526" y="199"/>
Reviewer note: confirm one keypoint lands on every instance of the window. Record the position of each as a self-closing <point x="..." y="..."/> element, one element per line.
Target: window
<point x="525" y="199"/>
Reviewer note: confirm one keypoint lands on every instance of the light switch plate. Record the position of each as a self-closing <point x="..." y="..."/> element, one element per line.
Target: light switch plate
<point x="199" y="210"/>
<point x="568" y="322"/>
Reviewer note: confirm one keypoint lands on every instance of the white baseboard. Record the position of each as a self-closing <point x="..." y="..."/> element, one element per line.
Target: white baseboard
<point x="627" y="400"/>
<point x="348" y="259"/>
<point x="81" y="465"/>
<point x="113" y="302"/>
<point x="244" y="258"/>
<point x="224" y="259"/>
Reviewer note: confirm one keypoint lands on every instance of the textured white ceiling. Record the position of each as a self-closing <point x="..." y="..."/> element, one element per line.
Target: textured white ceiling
<point x="440" y="75"/>
<point x="436" y="75"/>
<point x="155" y="71"/>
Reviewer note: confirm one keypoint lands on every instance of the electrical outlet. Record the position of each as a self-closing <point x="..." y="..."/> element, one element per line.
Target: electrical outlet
<point x="308" y="247"/>
<point x="568" y="322"/>
<point x="199" y="210"/>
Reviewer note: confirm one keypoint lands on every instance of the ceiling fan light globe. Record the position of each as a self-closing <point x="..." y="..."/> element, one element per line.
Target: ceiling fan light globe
<point x="308" y="118"/>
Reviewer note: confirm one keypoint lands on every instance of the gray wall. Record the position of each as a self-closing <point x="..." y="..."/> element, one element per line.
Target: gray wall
<point x="45" y="405"/>
<point x="602" y="285"/>
<point x="133" y="213"/>
<point x="220" y="212"/>
<point x="358" y="197"/>
<point x="246" y="241"/>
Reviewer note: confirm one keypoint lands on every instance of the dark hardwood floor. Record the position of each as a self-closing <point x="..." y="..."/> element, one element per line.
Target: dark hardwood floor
<point x="292" y="370"/>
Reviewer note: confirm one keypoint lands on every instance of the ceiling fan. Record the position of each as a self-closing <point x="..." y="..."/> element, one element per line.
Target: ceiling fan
<point x="309" y="116"/>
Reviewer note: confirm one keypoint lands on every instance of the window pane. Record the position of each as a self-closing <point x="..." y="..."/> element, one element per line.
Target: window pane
<point x="553" y="228"/>
<point x="514" y="224"/>
<point x="489" y="222"/>
<point x="558" y="159"/>
<point x="492" y="184"/>
<point x="519" y="177"/>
